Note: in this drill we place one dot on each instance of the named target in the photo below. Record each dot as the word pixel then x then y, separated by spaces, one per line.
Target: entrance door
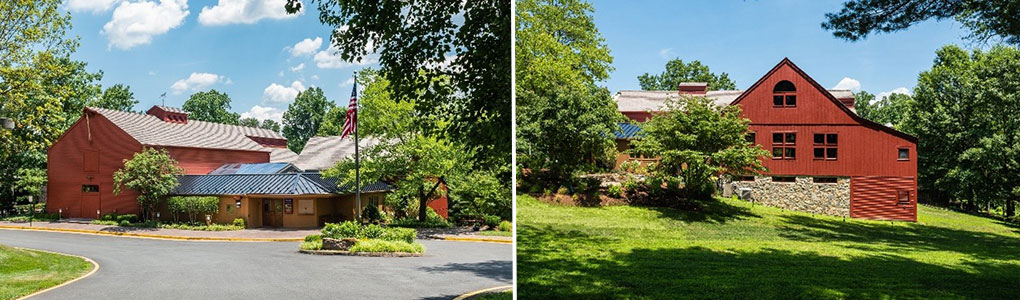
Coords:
pixel 89 201
pixel 272 212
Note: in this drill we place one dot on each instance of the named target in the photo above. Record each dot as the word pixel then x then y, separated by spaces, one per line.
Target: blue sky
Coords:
pixel 249 49
pixel 747 38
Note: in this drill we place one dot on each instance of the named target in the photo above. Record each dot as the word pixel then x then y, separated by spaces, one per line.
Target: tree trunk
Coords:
pixel 422 204
pixel 1010 208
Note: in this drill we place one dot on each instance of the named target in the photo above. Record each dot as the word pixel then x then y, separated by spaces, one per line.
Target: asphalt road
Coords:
pixel 132 268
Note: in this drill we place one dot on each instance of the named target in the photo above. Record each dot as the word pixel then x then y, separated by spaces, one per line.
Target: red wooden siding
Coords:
pixel 876 197
pixel 68 170
pixel 861 151
pixel 196 161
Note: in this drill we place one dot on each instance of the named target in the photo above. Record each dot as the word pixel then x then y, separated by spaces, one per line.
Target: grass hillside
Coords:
pixel 23 272
pixel 731 250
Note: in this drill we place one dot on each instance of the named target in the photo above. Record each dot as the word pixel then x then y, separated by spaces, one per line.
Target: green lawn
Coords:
pixel 507 295
pixel 730 250
pixel 494 233
pixel 23 272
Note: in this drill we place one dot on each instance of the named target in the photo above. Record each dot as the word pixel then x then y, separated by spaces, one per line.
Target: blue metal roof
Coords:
pixel 266 184
pixel 259 168
pixel 628 130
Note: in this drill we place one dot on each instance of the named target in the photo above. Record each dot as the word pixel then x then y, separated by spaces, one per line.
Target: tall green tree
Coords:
pixel 211 106
pixel 33 26
pixel 696 140
pixel 152 173
pixel 963 113
pixel 565 121
pixel 677 71
pixel 248 122
pixel 986 19
pixel 117 97
pixel 863 104
pixel 270 125
pixel 418 41
pixel 303 118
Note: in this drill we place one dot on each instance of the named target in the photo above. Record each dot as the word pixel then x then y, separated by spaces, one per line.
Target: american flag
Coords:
pixel 351 121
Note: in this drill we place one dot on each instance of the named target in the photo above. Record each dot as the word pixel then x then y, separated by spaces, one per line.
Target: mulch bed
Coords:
pixel 560 199
pixel 371 254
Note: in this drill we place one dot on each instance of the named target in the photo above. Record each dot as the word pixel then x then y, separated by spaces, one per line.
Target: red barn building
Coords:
pixel 81 163
pixel 824 157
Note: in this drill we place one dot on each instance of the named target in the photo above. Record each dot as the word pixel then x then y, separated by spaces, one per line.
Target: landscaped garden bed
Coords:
pixel 131 220
pixel 350 238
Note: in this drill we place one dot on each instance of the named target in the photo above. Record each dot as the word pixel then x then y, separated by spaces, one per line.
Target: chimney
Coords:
pixel 693 88
pixel 848 102
pixel 169 114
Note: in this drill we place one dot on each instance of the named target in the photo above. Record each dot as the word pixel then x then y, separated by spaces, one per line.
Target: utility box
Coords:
pixel 744 193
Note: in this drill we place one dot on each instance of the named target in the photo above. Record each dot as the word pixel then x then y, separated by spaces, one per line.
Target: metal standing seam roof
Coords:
pixel 258 168
pixel 266 184
pixel 627 130
pixel 150 130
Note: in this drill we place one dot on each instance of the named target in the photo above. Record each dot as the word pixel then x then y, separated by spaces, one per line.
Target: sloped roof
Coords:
pixel 281 155
pixel 173 109
pixel 627 130
pixel 150 130
pixel 629 100
pixel 267 184
pixel 323 152
pixel 259 168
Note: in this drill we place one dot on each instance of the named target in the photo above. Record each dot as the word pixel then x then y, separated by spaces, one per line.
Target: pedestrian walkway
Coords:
pixel 252 234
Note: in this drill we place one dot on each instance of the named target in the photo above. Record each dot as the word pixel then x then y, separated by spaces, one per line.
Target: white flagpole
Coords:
pixel 357 156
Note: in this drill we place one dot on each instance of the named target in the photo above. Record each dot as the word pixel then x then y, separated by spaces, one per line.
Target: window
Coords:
pixel 784 145
pixel 90 188
pixel 784 179
pixel 825 146
pixel 784 94
pixel 903 197
pixel 746 178
pixel 904 154
pixel 750 137
pixel 825 179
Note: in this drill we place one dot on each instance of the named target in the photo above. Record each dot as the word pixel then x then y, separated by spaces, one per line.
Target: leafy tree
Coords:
pixel 862 104
pixel 248 122
pixel 152 173
pixel 270 125
pixel 696 140
pixel 333 121
pixel 964 116
pixel 117 97
pixel 211 106
pixel 31 181
pixel 565 122
pixel 479 194
pixel 677 71
pixel 986 19
pixel 33 26
pixel 466 42
pixel 304 117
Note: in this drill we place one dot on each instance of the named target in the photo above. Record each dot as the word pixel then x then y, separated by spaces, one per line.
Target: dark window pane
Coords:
pixel 791 100
pixel 825 179
pixel 819 153
pixel 784 86
pixel 750 137
pixel 904 154
pixel 830 153
pixel 777 100
pixel 777 138
pixel 819 138
pixel 830 138
pixel 777 152
pixel 791 153
pixel 90 188
pixel 791 138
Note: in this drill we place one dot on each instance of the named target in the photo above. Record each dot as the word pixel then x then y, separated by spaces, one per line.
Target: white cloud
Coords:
pixel 275 93
pixel 328 59
pixel 899 90
pixel 197 81
pixel 848 83
pixel 347 82
pixel 306 47
pixel 667 53
pixel 243 12
pixel 263 112
pixel 92 6
pixel 152 73
pixel 297 68
pixel 135 23
pixel 315 77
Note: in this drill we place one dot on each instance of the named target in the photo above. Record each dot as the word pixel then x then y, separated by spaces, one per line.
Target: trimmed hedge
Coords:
pixel 387 246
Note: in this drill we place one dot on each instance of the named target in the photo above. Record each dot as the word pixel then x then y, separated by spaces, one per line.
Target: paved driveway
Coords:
pixel 131 268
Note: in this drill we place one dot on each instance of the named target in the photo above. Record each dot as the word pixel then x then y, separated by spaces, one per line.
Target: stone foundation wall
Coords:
pixel 802 195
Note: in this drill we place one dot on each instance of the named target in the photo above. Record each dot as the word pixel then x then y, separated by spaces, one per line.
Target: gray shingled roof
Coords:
pixel 629 100
pixel 266 184
pixel 173 109
pixel 150 130
pixel 323 152
pixel 282 155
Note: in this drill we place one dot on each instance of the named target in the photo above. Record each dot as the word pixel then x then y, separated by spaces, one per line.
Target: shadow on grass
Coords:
pixel 493 269
pixel 907 236
pixel 706 211
pixel 546 270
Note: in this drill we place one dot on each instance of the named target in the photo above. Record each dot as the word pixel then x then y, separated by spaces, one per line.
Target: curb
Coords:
pixel 95 267
pixel 471 239
pixel 482 291
pixel 367 254
pixel 152 236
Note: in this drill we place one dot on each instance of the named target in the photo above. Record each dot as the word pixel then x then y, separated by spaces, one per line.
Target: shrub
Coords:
pixel 313 237
pixel 414 223
pixel 193 206
pixel 124 223
pixel 387 246
pixel 492 221
pixel 105 222
pixel 239 222
pixel 108 217
pixel 562 190
pixel 344 230
pixel 131 218
pixel 199 227
pixel 371 213
pixel 630 185
pixel 399 234
pixel 371 231
pixel 311 245
pixel 615 191
pixel 506 226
